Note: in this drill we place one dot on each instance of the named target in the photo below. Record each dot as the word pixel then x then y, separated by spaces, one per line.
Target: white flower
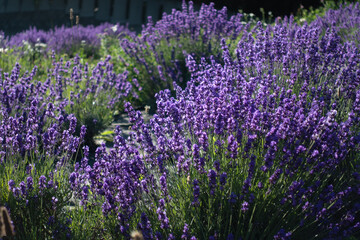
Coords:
pixel 114 28
pixel 40 45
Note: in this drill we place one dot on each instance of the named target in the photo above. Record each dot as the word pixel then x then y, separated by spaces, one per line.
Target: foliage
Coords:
pixel 158 54
pixel 35 153
pixel 92 95
pixel 262 146
pixel 345 19
pixel 256 133
pixel 67 40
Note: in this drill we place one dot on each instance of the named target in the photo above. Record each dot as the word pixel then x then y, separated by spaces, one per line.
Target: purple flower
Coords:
pixel 233 198
pixel 161 211
pixel 50 184
pixel 232 146
pixel 273 178
pixel 82 132
pixel 223 178
pixel 29 183
pixel 185 234
pixel 282 235
pixel 145 227
pixel 196 192
pixel 29 168
pixel 244 206
pixel 84 194
pixel 54 202
pixel 73 179
pixel 212 181
pixel 42 182
pixel 11 184
pixel 163 184
pixel 23 188
pixel 217 166
pixel 230 237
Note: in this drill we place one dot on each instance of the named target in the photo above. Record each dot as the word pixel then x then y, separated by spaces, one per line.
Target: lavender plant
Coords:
pixel 159 52
pixel 264 146
pixel 262 142
pixel 345 20
pixel 35 155
pixel 92 95
pixel 92 91
pixel 69 40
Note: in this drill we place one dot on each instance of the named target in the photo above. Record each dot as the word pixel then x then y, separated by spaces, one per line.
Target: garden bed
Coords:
pixel 253 130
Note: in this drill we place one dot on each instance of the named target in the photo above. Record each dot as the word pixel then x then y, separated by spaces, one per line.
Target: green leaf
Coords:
pixel 108 132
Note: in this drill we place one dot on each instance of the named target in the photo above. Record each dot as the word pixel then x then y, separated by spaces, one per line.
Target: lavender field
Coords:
pixel 254 130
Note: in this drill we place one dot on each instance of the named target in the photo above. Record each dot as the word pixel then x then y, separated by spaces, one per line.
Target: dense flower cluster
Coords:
pixel 160 51
pixel 66 39
pixel 41 132
pixel 261 142
pixel 37 143
pixel 263 136
pixel 346 21
pixel 92 95
pixel 30 118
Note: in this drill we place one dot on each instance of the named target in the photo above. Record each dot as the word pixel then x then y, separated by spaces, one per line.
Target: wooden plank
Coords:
pixel 28 6
pixel 13 6
pixel 57 5
pixel 135 12
pixel 119 12
pixel 103 12
pixel 2 6
pixel 44 5
pixel 87 9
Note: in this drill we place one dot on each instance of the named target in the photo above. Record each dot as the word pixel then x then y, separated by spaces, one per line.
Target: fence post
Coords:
pixel 44 5
pixel 87 9
pixel 2 6
pixel 135 14
pixel 57 5
pixel 13 6
pixel 27 6
pixel 119 14
pixel 104 10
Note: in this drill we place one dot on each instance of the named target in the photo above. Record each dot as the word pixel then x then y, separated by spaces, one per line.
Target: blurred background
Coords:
pixel 19 15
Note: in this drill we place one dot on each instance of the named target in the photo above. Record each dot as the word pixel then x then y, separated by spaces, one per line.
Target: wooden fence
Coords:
pixel 134 12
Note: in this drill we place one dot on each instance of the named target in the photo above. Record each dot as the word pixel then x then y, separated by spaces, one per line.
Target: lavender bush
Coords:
pixel 92 95
pixel 264 146
pixel 35 152
pixel 67 40
pixel 159 52
pixel 261 139
pixel 345 20
pixel 34 47
pixel 39 122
